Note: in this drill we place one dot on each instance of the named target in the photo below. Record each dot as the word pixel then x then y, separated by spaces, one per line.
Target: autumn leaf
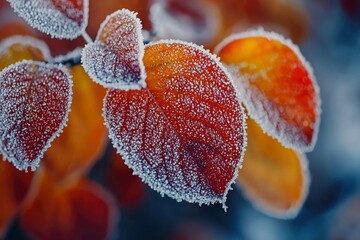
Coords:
pixel 183 134
pixel 115 58
pixel 60 19
pixel 14 187
pixel 84 138
pixel 18 48
pixel 276 85
pixel 274 178
pixel 76 211
pixel 35 101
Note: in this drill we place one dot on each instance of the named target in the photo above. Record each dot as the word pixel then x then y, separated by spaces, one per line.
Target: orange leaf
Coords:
pixel 183 134
pixel 35 101
pixel 84 138
pixel 274 178
pixel 126 187
pixel 14 187
pixel 276 85
pixel 81 210
pixel 18 48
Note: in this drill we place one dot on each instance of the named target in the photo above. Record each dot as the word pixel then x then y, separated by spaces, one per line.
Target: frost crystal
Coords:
pixel 184 134
pixel 61 19
pixel 115 58
pixel 35 101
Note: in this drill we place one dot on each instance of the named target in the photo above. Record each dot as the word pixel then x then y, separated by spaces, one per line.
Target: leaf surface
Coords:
pixel 183 134
pixel 276 85
pixel 115 58
pixel 35 101
pixel 18 48
pixel 274 178
pixel 58 18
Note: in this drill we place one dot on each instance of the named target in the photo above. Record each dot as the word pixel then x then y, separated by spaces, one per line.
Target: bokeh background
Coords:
pixel 328 34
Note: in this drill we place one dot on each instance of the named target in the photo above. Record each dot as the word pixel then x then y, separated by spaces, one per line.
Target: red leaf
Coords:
pixel 276 85
pixel 35 100
pixel 59 18
pixel 115 59
pixel 184 134
pixel 81 210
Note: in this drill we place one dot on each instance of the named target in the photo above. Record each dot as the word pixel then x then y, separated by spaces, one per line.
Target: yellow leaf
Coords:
pixel 274 178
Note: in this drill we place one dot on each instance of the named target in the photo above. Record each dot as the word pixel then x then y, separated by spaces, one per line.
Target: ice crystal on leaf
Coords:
pixel 115 58
pixel 276 84
pixel 35 101
pixel 184 134
pixel 59 18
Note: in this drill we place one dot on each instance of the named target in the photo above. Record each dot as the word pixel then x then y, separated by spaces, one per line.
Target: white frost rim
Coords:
pixel 157 187
pixel 35 163
pixel 141 51
pixel 51 16
pixel 260 32
pixel 26 40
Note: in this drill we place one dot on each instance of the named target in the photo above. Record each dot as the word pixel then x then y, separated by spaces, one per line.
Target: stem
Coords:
pixel 86 37
pixel 71 59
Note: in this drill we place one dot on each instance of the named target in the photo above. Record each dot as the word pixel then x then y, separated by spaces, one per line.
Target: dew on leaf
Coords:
pixel 18 48
pixel 115 58
pixel 184 134
pixel 58 18
pixel 35 99
pixel 276 84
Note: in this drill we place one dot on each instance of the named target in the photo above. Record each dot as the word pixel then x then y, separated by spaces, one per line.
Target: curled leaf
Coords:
pixel 274 178
pixel 18 48
pixel 59 18
pixel 35 101
pixel 276 85
pixel 115 58
pixel 183 134
pixel 81 210
pixel 84 137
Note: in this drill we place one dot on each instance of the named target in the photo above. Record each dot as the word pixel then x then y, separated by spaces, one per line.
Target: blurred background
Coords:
pixel 328 34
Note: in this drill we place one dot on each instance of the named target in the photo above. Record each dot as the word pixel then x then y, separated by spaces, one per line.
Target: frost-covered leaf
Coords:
pixel 85 135
pixel 115 58
pixel 274 178
pixel 276 85
pixel 14 188
pixel 183 134
pixel 81 210
pixel 35 100
pixel 18 48
pixel 58 18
